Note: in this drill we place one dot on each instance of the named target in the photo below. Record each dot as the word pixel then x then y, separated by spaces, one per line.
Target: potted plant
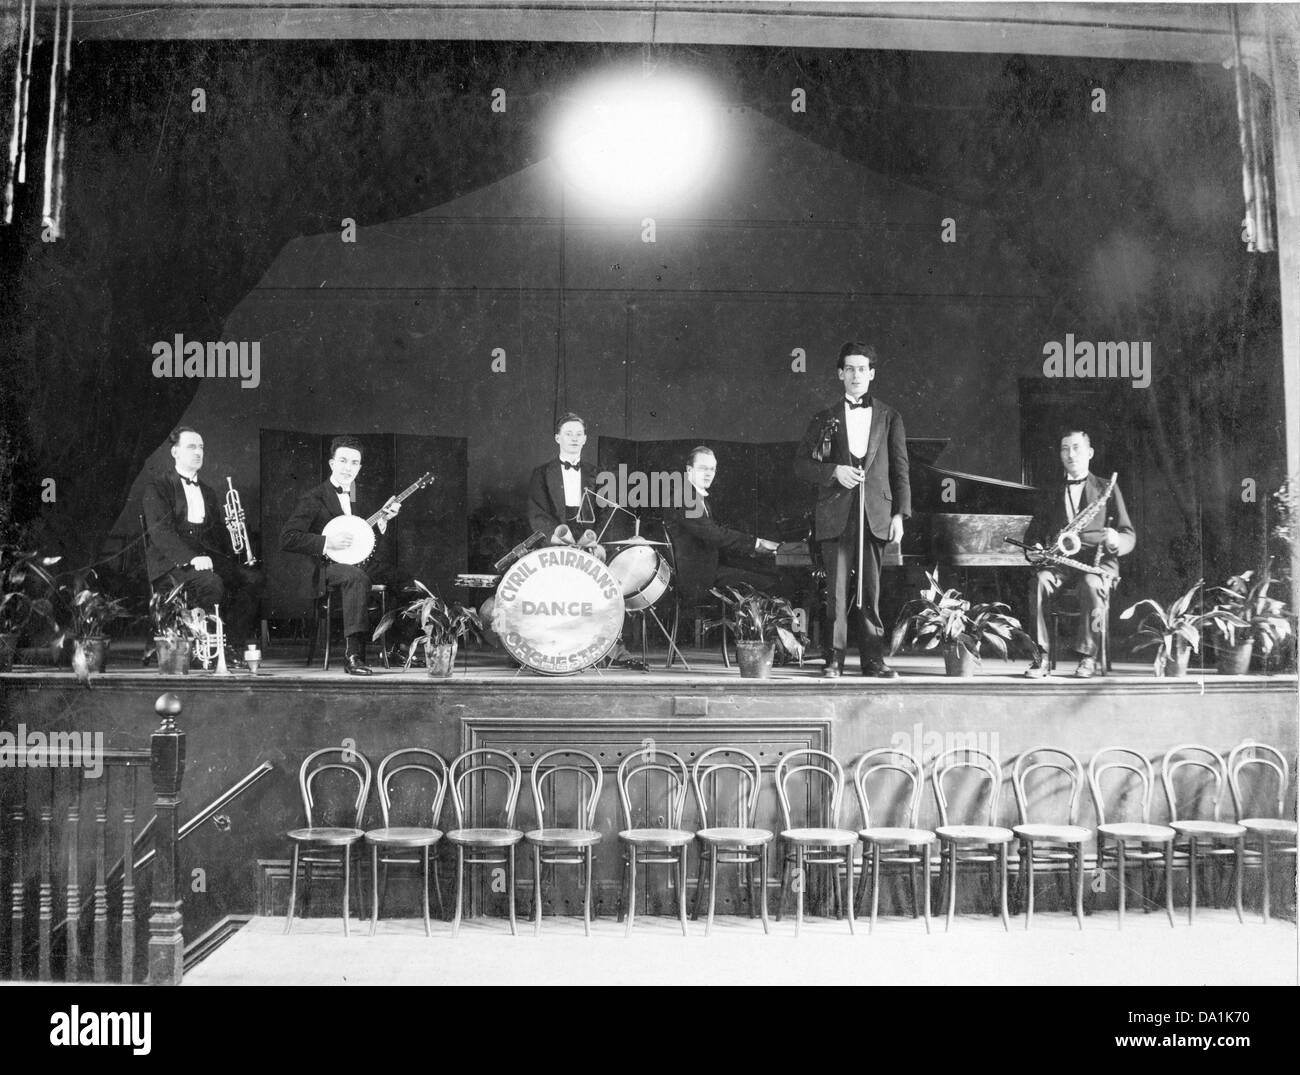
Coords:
pixel 25 591
pixel 1174 631
pixel 944 619
pixel 759 623
pixel 1244 616
pixel 174 630
pixel 90 611
pixel 442 627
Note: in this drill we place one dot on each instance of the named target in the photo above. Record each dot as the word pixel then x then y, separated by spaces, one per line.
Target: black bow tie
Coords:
pixel 570 466
pixel 1076 481
pixel 341 492
pixel 187 481
pixel 865 401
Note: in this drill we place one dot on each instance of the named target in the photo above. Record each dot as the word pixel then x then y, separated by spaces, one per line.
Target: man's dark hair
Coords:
pixel 174 437
pixel 345 442
pixel 853 347
pixel 699 449
pixel 569 416
pixel 1070 431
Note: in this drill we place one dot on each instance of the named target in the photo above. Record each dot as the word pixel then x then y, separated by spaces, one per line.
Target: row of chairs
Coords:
pixel 727 782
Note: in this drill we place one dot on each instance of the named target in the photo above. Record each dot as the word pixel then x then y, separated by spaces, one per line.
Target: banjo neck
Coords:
pixel 417 484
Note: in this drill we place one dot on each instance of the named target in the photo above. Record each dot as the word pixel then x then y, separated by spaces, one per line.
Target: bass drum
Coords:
pixel 643 574
pixel 558 611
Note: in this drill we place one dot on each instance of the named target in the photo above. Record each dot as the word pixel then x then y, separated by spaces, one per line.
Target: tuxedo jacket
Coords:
pixel 1051 517
pixel 302 531
pixel 887 489
pixel 697 543
pixel 546 507
pixel 173 542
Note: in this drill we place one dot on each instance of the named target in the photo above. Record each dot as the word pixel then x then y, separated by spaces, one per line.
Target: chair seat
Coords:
pixel 408 836
pixel 821 837
pixel 888 837
pixel 724 837
pixel 485 837
pixel 1215 830
pixel 974 834
pixel 1060 834
pixel 657 837
pixel 322 834
pixel 563 837
pixel 1137 830
pixel 1269 826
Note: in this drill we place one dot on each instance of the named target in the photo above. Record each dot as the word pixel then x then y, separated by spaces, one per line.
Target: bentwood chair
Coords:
pixel 818 842
pixel 884 846
pixel 1134 840
pixel 1209 764
pixel 559 845
pixel 328 837
pixel 1047 843
pixel 983 844
pixel 724 775
pixel 659 779
pixel 468 777
pixel 1275 834
pixel 413 781
pixel 322 619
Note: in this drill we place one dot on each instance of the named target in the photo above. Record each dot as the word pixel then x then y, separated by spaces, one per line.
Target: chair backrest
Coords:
pixel 890 760
pixel 330 763
pixel 585 775
pixel 824 785
pixel 1269 760
pixel 722 765
pixel 1124 760
pixel 1048 760
pixel 423 777
pixel 643 764
pixel 967 760
pixel 1193 756
pixel 483 763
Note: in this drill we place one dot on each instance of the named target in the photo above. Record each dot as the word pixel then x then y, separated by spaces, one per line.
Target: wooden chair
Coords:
pixel 1049 844
pixel 981 844
pixel 650 845
pixel 319 839
pixel 819 842
pixel 1065 607
pixel 322 618
pixel 565 846
pixel 740 843
pixel 424 779
pixel 488 845
pixel 1126 834
pixel 884 846
pixel 1193 756
pixel 1276 835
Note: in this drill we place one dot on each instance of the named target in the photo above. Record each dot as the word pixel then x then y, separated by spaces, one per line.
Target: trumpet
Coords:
pixel 237 526
pixel 210 641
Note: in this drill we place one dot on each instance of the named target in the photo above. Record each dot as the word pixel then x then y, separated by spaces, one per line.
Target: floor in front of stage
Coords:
pixel 1217 950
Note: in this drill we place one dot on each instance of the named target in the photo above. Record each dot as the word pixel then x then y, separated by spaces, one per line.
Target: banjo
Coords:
pixel 362 530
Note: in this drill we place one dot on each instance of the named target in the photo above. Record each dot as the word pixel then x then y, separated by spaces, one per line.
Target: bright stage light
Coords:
pixel 635 142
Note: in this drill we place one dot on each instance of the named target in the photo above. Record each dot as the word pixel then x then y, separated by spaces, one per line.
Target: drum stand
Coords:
pixel 672 642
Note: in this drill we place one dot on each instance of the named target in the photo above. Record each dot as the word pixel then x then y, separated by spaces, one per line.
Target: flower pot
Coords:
pixel 755 659
pixel 173 655
pixel 94 651
pixel 959 661
pixel 1235 660
pixel 1177 666
pixel 8 650
pixel 440 660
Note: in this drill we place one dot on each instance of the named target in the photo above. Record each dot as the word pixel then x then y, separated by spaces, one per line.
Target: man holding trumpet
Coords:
pixel 855 453
pixel 186 545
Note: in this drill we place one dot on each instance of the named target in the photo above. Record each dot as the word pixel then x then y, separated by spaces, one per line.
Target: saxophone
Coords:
pixel 1067 543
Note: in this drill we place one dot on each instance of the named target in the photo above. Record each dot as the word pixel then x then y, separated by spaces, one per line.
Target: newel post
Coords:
pixel 167 764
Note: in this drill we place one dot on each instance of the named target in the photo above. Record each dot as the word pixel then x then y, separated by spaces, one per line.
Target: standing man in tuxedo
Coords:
pixel 555 489
pixel 1106 537
pixel 189 545
pixel 699 539
pixel 855 453
pixel 302 533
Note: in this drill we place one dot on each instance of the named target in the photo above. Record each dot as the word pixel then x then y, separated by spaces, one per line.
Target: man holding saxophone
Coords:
pixel 187 545
pixel 1077 535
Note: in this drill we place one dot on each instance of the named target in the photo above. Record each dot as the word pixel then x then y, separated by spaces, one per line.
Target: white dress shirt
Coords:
pixel 345 501
pixel 195 511
pixel 857 423
pixel 572 483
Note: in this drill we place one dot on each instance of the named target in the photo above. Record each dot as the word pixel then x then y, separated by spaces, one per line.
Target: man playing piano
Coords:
pixel 1104 538
pixel 855 453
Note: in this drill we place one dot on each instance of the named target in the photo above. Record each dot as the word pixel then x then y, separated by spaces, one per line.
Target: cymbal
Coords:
pixel 635 541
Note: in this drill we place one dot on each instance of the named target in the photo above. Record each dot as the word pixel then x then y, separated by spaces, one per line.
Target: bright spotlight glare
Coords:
pixel 633 141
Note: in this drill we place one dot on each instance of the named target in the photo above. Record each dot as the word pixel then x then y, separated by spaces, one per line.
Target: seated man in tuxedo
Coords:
pixel 699 539
pixel 1106 537
pixel 302 533
pixel 555 489
pixel 189 545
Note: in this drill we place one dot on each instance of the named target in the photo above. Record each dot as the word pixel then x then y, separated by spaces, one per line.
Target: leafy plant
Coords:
pixel 1244 606
pixel 89 611
pixel 945 618
pixel 170 616
pixel 440 624
pixel 1170 629
pixel 27 589
pixel 754 616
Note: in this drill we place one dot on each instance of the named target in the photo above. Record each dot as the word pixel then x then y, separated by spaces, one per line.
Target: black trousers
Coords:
pixel 840 558
pixel 354 595
pixel 236 587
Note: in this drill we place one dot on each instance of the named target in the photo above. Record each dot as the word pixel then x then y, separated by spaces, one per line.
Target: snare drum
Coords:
pixel 558 610
pixel 643 575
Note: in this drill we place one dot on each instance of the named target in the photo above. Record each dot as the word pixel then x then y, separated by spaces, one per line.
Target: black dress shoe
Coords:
pixel 831 671
pixel 354 665
pixel 879 670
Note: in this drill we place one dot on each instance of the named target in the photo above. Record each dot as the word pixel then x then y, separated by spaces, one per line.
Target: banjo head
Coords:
pixel 363 539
